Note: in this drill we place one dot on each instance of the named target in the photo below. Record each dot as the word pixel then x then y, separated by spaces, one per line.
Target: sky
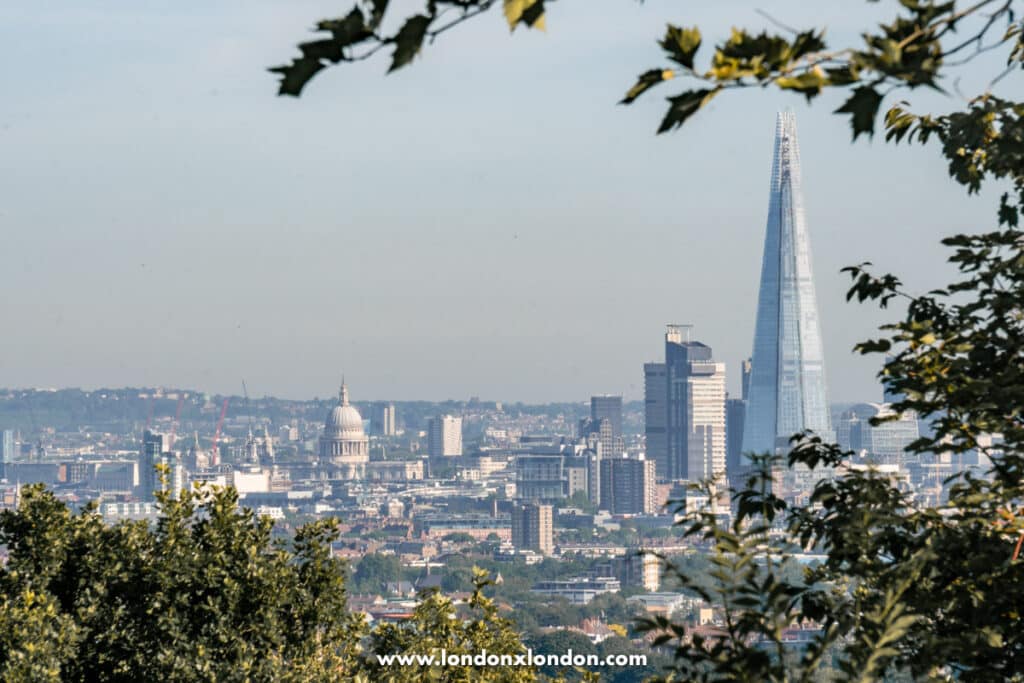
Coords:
pixel 484 223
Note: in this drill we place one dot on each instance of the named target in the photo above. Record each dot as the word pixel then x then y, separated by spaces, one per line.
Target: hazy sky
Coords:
pixel 486 222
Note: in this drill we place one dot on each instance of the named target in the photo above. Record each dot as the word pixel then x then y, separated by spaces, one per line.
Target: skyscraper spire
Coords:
pixel 787 391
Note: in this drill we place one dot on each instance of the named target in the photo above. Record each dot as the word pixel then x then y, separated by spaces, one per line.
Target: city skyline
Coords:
pixel 245 235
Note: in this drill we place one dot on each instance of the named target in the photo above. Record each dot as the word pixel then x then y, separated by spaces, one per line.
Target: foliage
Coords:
pixel 580 499
pixel 560 642
pixel 35 636
pixel 911 50
pixel 459 537
pixel 374 571
pixel 359 34
pixel 434 627
pixel 205 595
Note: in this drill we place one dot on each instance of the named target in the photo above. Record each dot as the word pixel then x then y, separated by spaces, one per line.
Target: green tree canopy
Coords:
pixel 203 595
pixel 434 627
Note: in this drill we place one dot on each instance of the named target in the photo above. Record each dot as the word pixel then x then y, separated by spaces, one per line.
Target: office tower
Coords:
pixel 156 450
pixel 735 412
pixel 6 451
pixel 656 417
pixel 787 383
pixel 884 443
pixel 532 528
pixel 607 407
pixel 540 476
pixel 444 436
pixel 695 425
pixel 628 486
pixel 382 419
pixel 745 379
pixel 594 454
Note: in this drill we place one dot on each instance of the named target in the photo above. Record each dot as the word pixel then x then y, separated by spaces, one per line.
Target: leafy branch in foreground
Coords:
pixel 359 35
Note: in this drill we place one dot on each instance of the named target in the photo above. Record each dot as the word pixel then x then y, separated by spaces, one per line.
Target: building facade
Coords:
pixel 628 486
pixel 695 425
pixel 532 528
pixel 787 387
pixel 735 414
pixel 156 450
pixel 656 417
pixel 884 443
pixel 382 419
pixel 6 451
pixel 608 407
pixel 444 436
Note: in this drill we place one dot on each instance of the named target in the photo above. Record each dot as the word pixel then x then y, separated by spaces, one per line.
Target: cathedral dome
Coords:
pixel 344 420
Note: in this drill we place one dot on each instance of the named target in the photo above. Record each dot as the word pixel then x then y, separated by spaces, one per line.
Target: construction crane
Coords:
pixel 216 434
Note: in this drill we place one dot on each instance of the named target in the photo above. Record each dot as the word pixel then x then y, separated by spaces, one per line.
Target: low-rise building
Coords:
pixel 579 590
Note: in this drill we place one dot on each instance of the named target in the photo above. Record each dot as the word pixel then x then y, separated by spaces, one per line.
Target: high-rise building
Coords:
pixel 382 419
pixel 628 486
pixel 695 425
pixel 540 476
pixel 444 436
pixel 532 527
pixel 599 437
pixel 156 450
pixel 656 417
pixel 6 451
pixel 607 407
pixel 884 443
pixel 787 383
pixel 735 412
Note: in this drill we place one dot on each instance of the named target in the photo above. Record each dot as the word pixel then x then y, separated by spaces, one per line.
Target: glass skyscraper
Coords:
pixel 787 390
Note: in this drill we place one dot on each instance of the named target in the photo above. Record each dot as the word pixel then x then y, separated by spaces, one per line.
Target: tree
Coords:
pixel 459 537
pixel 434 628
pixel 203 595
pixel 580 499
pixel 929 592
pixel 619 645
pixel 375 570
pixel 560 642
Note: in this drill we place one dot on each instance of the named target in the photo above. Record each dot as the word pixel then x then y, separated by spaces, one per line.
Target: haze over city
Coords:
pixel 168 221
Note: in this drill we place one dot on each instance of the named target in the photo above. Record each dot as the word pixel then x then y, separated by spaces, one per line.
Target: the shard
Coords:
pixel 787 384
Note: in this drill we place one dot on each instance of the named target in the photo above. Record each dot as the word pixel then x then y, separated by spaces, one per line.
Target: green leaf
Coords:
pixel 295 75
pixel 409 40
pixel 344 32
pixel 645 82
pixel 681 44
pixel 684 106
pixel 862 106
pixel 347 31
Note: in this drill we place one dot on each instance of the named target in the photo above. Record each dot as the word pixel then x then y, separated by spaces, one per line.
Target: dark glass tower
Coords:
pixel 787 390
